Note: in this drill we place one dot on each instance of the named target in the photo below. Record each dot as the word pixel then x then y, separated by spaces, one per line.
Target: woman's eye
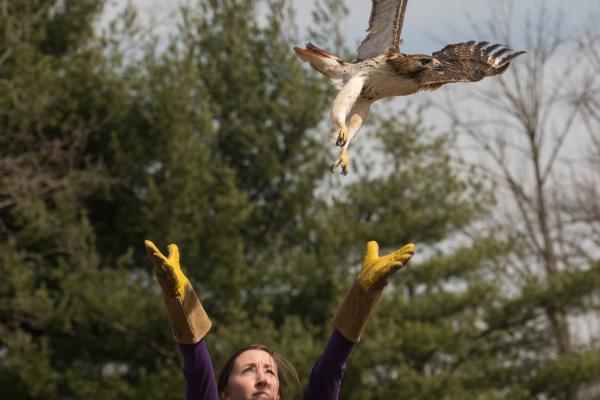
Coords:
pixel 247 369
pixel 270 371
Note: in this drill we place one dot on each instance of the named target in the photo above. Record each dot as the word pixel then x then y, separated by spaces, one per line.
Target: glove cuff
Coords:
pixel 189 321
pixel 353 314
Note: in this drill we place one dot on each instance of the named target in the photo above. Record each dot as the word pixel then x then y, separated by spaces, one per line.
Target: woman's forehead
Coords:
pixel 255 356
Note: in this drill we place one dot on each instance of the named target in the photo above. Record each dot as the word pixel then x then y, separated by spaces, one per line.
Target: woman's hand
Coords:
pixel 352 315
pixel 375 269
pixel 167 269
pixel 189 322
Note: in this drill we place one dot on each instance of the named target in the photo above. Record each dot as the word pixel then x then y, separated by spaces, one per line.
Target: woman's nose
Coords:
pixel 261 378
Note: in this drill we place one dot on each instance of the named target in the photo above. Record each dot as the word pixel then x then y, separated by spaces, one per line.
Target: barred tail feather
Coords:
pixel 319 59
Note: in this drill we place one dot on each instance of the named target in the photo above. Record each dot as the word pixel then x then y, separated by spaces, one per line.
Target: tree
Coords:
pixel 530 119
pixel 583 205
pixel 109 151
pixel 69 318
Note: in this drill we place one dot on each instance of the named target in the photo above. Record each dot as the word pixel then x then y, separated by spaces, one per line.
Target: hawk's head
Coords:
pixel 411 66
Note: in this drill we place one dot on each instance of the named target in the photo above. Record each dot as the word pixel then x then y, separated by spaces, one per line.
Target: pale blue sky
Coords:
pixel 429 24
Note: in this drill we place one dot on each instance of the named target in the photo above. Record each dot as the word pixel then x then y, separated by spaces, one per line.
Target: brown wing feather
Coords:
pixel 468 62
pixel 385 27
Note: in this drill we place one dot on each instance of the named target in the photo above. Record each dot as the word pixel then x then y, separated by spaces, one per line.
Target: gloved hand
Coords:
pixel 375 269
pixel 168 271
pixel 353 314
pixel 189 322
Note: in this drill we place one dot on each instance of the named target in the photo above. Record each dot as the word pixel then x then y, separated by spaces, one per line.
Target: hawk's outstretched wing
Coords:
pixel 468 62
pixel 384 29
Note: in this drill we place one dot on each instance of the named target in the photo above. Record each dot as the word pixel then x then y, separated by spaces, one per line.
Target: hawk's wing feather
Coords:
pixel 385 26
pixel 468 62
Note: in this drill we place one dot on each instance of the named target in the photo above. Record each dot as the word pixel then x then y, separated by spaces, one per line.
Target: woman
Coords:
pixel 256 372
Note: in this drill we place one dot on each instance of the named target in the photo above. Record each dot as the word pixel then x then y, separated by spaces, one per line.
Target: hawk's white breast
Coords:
pixel 380 81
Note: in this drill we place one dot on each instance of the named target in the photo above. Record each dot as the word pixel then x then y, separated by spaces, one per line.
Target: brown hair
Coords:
pixel 289 383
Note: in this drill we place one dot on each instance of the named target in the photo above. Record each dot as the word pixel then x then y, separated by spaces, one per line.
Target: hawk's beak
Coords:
pixel 436 64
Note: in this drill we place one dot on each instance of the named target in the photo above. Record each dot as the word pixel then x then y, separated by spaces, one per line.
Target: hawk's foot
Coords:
pixel 342 136
pixel 344 162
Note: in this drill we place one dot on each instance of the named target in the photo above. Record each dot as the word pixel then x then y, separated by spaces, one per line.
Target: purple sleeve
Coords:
pixel 326 376
pixel 200 382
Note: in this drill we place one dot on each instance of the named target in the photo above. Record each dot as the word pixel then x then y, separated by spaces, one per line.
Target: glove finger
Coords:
pixel 397 258
pixel 151 248
pixel 406 249
pixel 159 260
pixel 401 254
pixel 391 268
pixel 402 258
pixel 156 257
pixel 388 269
pixel 404 254
pixel 173 253
pixel 372 250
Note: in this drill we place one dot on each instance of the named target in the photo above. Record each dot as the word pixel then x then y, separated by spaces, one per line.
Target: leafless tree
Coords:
pixel 584 204
pixel 527 130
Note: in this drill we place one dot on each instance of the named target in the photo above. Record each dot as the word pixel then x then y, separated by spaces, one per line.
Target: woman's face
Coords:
pixel 253 377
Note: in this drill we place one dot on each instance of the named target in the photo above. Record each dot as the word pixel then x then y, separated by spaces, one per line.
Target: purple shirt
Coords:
pixel 325 378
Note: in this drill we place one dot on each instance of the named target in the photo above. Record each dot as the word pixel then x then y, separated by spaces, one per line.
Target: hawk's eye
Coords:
pixel 425 61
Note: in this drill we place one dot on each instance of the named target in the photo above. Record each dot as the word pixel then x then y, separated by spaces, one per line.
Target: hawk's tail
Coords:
pixel 319 59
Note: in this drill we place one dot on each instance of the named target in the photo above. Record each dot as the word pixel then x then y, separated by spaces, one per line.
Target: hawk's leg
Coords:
pixel 343 161
pixel 354 122
pixel 342 106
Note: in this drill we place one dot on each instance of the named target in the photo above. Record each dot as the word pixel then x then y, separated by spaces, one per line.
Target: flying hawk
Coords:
pixel 381 70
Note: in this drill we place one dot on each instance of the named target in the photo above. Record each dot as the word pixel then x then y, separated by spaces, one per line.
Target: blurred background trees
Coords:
pixel 214 138
pixel 535 128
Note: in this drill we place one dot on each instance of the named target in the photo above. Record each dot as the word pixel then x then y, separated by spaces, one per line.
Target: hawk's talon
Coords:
pixel 344 162
pixel 342 136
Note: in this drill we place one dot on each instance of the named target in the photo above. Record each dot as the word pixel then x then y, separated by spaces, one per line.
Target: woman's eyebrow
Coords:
pixel 272 367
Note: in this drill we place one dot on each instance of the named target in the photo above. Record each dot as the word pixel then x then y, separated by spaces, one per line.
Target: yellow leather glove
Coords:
pixel 353 314
pixel 189 321
pixel 167 269
pixel 375 269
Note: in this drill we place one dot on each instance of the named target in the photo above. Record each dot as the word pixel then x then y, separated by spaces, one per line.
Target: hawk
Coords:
pixel 381 70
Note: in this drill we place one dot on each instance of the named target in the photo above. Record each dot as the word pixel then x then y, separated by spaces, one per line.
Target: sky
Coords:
pixel 428 25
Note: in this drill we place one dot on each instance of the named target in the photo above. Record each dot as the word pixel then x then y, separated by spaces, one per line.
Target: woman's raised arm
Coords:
pixel 189 323
pixel 351 318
